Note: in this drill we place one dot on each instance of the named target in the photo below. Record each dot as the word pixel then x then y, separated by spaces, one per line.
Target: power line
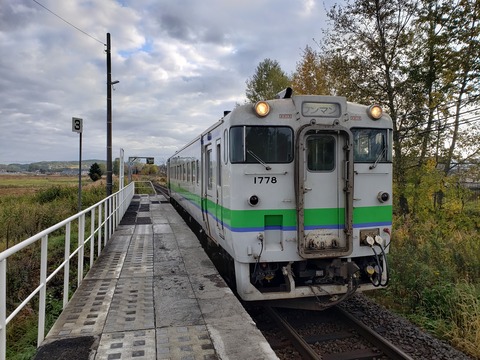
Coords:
pixel 69 23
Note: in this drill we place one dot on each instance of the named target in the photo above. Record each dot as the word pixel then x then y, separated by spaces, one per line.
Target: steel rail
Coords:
pixel 388 349
pixel 300 344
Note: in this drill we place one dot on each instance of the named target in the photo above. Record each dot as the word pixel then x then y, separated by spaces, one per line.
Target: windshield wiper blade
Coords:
pixel 379 157
pixel 260 161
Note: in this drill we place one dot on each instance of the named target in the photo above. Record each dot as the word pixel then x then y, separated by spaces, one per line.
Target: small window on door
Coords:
pixel 219 167
pixel 209 169
pixel 198 170
pixel 320 152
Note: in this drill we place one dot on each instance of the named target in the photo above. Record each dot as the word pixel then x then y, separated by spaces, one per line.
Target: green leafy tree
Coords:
pixel 269 79
pixel 95 172
pixel 367 49
pixel 149 169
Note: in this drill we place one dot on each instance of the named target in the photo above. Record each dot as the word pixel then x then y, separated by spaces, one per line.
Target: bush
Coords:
pixel 95 172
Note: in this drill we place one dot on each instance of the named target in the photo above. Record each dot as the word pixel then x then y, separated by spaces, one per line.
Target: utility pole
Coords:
pixel 109 118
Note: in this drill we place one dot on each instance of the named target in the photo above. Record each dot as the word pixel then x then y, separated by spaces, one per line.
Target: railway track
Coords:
pixel 331 334
pixel 163 190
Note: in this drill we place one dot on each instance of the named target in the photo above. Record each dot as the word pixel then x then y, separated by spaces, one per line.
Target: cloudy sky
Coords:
pixel 180 64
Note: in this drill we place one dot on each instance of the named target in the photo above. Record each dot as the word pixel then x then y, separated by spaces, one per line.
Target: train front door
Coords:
pixel 324 191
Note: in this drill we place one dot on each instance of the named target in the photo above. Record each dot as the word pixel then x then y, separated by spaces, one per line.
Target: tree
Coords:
pixel 269 79
pixel 367 49
pixel 421 59
pixel 311 75
pixel 460 76
pixel 95 172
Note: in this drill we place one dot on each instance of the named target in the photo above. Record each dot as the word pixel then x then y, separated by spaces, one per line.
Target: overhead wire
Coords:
pixel 69 23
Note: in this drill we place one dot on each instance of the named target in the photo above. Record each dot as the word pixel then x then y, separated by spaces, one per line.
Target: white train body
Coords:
pixel 300 198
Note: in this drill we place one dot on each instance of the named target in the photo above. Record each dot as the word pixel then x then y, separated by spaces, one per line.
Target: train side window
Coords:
pixel 219 163
pixel 225 146
pixel 370 145
pixel 209 169
pixel 198 172
pixel 321 152
pixel 193 172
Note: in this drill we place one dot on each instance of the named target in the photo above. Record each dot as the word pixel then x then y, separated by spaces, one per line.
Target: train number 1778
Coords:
pixel 264 179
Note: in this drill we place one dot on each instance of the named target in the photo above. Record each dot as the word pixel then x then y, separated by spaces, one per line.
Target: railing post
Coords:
pixel 66 269
pixel 105 220
pixel 92 235
pixel 3 309
pixel 117 210
pixel 99 228
pixel 114 213
pixel 43 290
pixel 81 249
pixel 110 218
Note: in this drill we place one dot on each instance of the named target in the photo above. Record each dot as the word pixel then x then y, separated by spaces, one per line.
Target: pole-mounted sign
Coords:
pixel 77 125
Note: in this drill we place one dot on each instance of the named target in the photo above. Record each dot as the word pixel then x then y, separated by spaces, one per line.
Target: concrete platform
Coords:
pixel 154 294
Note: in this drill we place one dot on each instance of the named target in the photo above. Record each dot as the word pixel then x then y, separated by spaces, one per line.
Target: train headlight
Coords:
pixel 383 196
pixel 262 108
pixel 253 200
pixel 375 112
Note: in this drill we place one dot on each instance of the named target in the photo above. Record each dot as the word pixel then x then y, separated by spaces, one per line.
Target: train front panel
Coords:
pixel 296 222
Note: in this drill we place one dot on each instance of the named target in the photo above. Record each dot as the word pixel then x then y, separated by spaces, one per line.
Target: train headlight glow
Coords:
pixel 375 112
pixel 262 108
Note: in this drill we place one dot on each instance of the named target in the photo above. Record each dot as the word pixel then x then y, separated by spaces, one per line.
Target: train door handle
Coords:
pixel 305 190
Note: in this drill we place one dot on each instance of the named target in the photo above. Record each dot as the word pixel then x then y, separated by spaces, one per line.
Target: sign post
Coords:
pixel 77 126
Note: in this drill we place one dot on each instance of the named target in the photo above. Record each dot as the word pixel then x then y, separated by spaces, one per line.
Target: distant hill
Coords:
pixel 50 166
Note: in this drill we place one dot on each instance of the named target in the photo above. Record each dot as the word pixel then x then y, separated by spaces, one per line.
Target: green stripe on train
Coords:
pixel 255 218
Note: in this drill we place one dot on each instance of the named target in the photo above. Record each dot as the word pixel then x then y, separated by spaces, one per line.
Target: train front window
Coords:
pixel 267 144
pixel 321 152
pixel 370 145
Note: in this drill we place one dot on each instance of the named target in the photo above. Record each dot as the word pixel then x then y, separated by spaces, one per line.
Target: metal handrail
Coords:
pixel 111 208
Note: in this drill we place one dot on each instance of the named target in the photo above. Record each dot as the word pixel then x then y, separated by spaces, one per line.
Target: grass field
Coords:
pixel 20 184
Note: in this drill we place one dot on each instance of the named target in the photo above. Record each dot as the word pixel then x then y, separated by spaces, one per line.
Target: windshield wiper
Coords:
pixel 379 157
pixel 260 161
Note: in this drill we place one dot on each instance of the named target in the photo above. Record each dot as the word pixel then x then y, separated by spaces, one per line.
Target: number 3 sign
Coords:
pixel 77 125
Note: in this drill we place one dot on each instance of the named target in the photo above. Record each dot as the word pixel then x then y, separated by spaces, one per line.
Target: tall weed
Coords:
pixel 24 216
pixel 464 307
pixel 435 260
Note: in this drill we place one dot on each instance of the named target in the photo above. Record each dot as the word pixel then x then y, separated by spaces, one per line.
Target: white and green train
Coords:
pixel 297 191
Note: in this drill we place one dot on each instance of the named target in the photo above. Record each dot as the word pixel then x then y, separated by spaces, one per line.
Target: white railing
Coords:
pixel 105 215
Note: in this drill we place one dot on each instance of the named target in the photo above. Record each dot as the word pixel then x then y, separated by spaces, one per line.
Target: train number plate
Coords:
pixel 264 179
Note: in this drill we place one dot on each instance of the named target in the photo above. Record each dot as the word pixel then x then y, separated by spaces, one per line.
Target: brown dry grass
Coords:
pixel 22 184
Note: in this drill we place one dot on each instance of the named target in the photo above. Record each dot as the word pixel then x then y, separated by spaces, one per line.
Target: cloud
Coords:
pixel 180 64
